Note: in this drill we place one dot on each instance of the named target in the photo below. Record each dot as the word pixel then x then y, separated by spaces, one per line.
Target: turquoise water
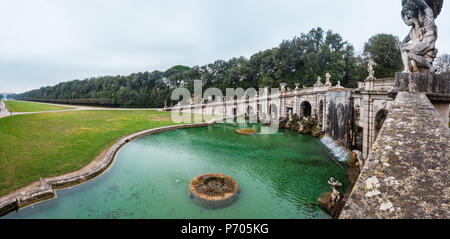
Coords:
pixel 280 176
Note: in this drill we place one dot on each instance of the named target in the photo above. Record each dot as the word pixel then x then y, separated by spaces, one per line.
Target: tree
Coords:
pixel 300 60
pixel 443 63
pixel 384 49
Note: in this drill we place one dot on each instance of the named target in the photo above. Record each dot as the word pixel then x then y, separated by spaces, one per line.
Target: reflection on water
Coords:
pixel 280 176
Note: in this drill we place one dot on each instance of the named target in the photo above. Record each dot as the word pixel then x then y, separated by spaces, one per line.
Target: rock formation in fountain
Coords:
pixel 309 125
pixel 328 201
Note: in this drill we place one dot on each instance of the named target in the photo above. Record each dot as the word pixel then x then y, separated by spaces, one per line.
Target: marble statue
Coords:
pixel 335 195
pixel 319 82
pixel 328 80
pixel 338 85
pixel 328 77
pixel 370 66
pixel 283 87
pixel 418 48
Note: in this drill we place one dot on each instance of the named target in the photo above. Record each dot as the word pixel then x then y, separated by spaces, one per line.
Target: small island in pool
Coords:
pixel 246 131
pixel 213 190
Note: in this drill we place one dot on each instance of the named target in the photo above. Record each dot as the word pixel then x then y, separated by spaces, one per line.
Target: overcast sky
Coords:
pixel 44 42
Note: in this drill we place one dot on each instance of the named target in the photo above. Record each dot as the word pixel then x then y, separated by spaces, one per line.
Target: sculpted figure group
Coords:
pixel 418 48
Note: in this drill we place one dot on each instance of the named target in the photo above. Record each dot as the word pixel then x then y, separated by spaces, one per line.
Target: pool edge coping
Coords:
pixel 46 188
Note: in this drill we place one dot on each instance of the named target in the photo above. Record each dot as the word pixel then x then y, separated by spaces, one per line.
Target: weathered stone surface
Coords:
pixel 407 172
pixel 407 82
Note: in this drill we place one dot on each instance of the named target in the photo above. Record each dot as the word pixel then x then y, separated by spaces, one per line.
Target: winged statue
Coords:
pixel 419 46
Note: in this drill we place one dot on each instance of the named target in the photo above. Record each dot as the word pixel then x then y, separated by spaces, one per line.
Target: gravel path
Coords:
pixel 4 111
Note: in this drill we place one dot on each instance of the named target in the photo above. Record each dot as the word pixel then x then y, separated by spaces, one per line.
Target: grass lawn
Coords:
pixel 52 144
pixel 24 106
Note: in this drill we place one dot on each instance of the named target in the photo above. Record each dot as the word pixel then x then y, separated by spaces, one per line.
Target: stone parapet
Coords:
pixel 407 172
pixel 374 84
pixel 437 87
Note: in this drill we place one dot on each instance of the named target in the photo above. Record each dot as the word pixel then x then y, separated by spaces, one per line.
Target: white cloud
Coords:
pixel 43 42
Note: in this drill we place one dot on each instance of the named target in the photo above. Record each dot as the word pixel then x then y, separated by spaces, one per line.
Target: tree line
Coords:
pixel 300 60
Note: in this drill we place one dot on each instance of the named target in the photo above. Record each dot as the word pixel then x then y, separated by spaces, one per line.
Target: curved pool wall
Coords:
pixel 280 176
pixel 45 187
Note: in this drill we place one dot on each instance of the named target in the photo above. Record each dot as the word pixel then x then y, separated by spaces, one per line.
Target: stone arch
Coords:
pixel 380 117
pixel 305 109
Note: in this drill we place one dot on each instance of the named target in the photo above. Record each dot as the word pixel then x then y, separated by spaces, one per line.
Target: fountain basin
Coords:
pixel 213 190
pixel 280 176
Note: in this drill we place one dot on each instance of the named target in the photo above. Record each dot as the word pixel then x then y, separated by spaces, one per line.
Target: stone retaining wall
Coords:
pixel 45 189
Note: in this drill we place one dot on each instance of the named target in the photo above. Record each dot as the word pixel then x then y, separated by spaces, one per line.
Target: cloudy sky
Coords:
pixel 44 42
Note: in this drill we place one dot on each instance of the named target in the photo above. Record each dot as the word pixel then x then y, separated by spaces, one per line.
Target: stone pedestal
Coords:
pixel 368 83
pixel 423 83
pixel 436 88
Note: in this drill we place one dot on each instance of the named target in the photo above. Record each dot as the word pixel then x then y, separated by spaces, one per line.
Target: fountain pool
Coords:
pixel 279 176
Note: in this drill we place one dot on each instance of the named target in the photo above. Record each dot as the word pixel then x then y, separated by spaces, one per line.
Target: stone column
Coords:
pixel 282 110
pixel 325 113
pixel 367 136
pixel 295 109
pixel 264 101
